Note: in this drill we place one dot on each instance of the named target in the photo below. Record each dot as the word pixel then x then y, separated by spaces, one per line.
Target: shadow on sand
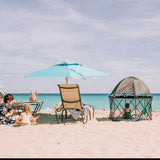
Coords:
pixel 46 118
pixel 103 119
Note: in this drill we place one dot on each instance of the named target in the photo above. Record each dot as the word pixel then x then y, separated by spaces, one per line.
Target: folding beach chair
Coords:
pixel 2 93
pixel 143 112
pixel 71 101
pixel 137 117
pixel 18 106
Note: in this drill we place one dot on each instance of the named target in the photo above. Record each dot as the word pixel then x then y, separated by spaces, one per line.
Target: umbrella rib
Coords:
pixel 77 73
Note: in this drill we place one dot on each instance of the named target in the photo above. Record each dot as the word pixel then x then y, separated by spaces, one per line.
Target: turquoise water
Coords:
pixel 99 101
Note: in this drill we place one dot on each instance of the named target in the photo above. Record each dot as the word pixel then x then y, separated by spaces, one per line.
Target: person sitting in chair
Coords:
pixel 127 112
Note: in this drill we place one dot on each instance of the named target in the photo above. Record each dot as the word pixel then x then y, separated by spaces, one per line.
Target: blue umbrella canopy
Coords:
pixel 67 69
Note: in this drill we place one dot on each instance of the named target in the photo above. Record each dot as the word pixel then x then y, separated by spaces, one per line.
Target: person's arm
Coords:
pixel 123 114
pixel 9 113
pixel 20 117
pixel 18 120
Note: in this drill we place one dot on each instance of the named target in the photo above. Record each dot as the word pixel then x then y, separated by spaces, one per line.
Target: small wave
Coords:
pixel 48 109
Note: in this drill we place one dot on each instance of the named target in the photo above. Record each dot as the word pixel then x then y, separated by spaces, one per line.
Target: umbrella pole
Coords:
pixel 66 83
pixel 66 80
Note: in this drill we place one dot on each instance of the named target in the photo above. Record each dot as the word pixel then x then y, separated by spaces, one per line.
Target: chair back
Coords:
pixel 70 96
pixel 2 94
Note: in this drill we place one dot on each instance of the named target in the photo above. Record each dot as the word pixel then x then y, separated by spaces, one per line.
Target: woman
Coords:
pixel 6 114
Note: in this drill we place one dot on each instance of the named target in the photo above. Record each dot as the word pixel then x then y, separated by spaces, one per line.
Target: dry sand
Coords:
pixel 99 138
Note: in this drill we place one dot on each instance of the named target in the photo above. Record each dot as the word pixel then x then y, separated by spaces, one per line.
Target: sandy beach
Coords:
pixel 99 138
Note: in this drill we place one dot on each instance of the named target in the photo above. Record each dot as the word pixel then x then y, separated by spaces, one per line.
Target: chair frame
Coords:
pixel 19 106
pixel 89 110
pixel 64 109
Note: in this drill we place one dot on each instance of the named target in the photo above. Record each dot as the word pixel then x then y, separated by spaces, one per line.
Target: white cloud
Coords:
pixel 136 27
pixel 33 38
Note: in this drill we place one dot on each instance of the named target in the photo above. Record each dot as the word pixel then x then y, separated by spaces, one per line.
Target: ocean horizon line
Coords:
pixel 59 93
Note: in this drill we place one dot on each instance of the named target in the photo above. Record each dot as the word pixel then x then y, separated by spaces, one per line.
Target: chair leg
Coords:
pixel 56 112
pixel 62 114
pixel 84 118
pixel 56 115
pixel 66 114
pixel 93 110
pixel 89 114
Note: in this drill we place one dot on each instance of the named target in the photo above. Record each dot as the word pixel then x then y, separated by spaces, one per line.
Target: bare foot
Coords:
pixel 37 118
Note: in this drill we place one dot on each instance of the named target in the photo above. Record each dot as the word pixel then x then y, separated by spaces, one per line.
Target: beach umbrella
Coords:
pixel 68 70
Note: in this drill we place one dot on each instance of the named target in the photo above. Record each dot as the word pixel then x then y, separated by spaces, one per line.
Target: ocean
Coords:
pixel 99 101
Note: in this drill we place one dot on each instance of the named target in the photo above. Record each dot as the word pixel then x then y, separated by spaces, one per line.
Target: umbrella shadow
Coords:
pixel 46 118
pixel 51 119
pixel 103 119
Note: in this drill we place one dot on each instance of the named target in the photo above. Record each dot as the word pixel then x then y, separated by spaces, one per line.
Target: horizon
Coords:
pixel 117 37
pixel 59 93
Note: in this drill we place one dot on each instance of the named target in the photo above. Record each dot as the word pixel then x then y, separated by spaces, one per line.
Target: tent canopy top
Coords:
pixel 131 86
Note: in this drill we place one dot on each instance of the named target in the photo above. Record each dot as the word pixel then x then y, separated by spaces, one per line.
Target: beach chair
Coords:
pixel 2 93
pixel 18 106
pixel 33 101
pixel 137 117
pixel 143 112
pixel 71 101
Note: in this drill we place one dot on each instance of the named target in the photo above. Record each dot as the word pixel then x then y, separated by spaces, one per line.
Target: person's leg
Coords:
pixel 37 118
pixel 17 119
pixel 34 120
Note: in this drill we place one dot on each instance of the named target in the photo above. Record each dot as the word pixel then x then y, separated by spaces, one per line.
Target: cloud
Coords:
pixel 122 39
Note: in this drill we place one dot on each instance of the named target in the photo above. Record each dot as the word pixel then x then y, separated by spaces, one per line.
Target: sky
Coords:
pixel 118 37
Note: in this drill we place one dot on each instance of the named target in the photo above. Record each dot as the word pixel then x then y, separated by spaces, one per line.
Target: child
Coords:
pixel 26 117
pixel 127 112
